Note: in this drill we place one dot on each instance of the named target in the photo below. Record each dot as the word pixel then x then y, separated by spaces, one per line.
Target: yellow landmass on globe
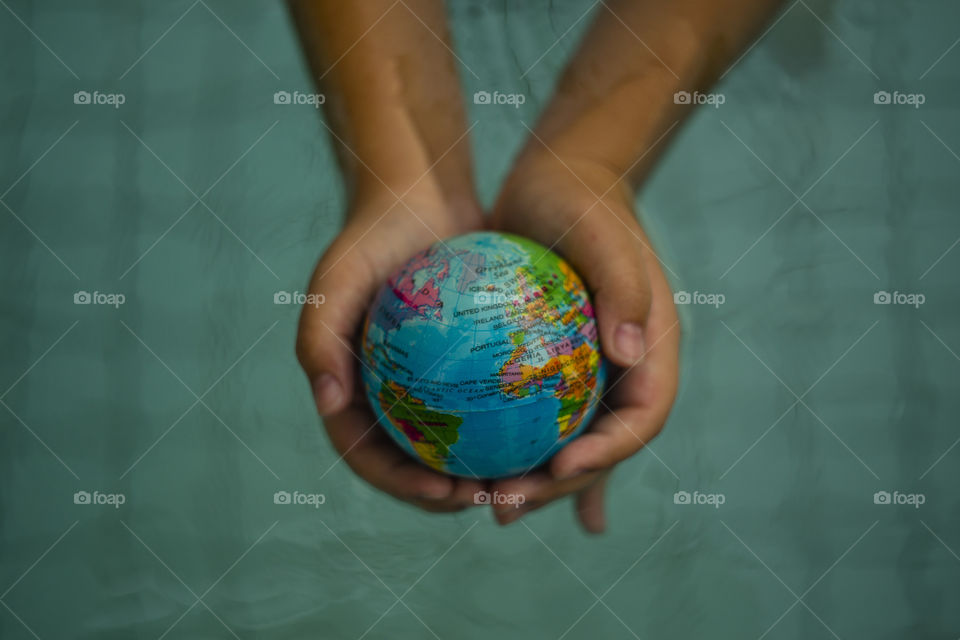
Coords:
pixel 573 391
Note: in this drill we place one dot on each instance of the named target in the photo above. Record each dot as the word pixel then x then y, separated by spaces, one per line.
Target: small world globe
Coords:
pixel 481 355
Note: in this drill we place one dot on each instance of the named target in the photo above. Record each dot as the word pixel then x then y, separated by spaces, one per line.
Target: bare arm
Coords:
pixel 616 98
pixel 573 187
pixel 393 97
pixel 396 116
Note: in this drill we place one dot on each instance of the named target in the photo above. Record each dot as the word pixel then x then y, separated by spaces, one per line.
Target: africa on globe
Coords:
pixel 481 355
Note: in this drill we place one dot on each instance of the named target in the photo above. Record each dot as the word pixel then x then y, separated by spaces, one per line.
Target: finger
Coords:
pixel 642 397
pixel 532 491
pixel 326 334
pixel 463 496
pixel 603 242
pixel 653 381
pixel 466 491
pixel 613 437
pixel 606 248
pixel 590 505
pixel 374 457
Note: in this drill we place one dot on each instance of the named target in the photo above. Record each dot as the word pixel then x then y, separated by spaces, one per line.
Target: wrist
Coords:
pixel 412 184
pixel 388 153
pixel 426 203
pixel 568 183
pixel 554 202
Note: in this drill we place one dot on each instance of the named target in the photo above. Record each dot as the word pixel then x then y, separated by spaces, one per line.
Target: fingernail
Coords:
pixel 327 392
pixel 628 341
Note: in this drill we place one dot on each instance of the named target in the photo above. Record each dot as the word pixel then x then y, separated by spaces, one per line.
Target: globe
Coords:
pixel 481 356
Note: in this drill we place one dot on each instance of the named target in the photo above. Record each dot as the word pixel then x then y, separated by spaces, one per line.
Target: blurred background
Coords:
pixel 156 198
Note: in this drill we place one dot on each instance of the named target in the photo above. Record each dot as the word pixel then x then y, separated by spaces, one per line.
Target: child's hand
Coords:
pixel 395 111
pixel 379 236
pixel 400 121
pixel 559 203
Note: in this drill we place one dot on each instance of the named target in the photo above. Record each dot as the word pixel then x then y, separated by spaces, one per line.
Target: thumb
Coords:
pixel 606 247
pixel 327 331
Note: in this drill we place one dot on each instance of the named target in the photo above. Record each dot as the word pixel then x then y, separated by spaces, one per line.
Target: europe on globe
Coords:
pixel 481 355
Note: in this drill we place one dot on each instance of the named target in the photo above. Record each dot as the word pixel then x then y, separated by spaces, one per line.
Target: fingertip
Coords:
pixel 590 506
pixel 593 523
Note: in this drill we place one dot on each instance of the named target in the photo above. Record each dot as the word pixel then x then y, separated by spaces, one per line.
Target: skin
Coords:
pixel 396 114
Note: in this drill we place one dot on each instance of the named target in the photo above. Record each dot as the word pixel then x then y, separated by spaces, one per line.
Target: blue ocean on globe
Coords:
pixel 481 355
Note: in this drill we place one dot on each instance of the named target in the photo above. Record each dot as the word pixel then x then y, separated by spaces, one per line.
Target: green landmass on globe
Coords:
pixel 481 355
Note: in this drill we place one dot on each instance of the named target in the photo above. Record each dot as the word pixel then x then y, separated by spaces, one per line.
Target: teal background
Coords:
pixel 188 400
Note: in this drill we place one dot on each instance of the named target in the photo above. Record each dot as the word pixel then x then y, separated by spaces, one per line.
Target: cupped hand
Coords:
pixel 380 234
pixel 584 211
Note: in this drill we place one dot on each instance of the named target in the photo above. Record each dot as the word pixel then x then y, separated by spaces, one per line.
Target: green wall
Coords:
pixel 800 397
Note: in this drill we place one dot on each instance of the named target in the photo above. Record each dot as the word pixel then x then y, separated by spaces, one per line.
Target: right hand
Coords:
pixel 381 233
pixel 585 211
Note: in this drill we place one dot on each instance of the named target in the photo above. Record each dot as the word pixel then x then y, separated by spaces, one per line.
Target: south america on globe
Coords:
pixel 481 355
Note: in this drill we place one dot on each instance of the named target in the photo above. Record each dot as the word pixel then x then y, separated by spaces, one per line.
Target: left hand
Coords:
pixel 558 202
pixel 381 233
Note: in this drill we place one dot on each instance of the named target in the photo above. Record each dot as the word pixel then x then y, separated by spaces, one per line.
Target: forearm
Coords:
pixel 616 98
pixel 393 99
